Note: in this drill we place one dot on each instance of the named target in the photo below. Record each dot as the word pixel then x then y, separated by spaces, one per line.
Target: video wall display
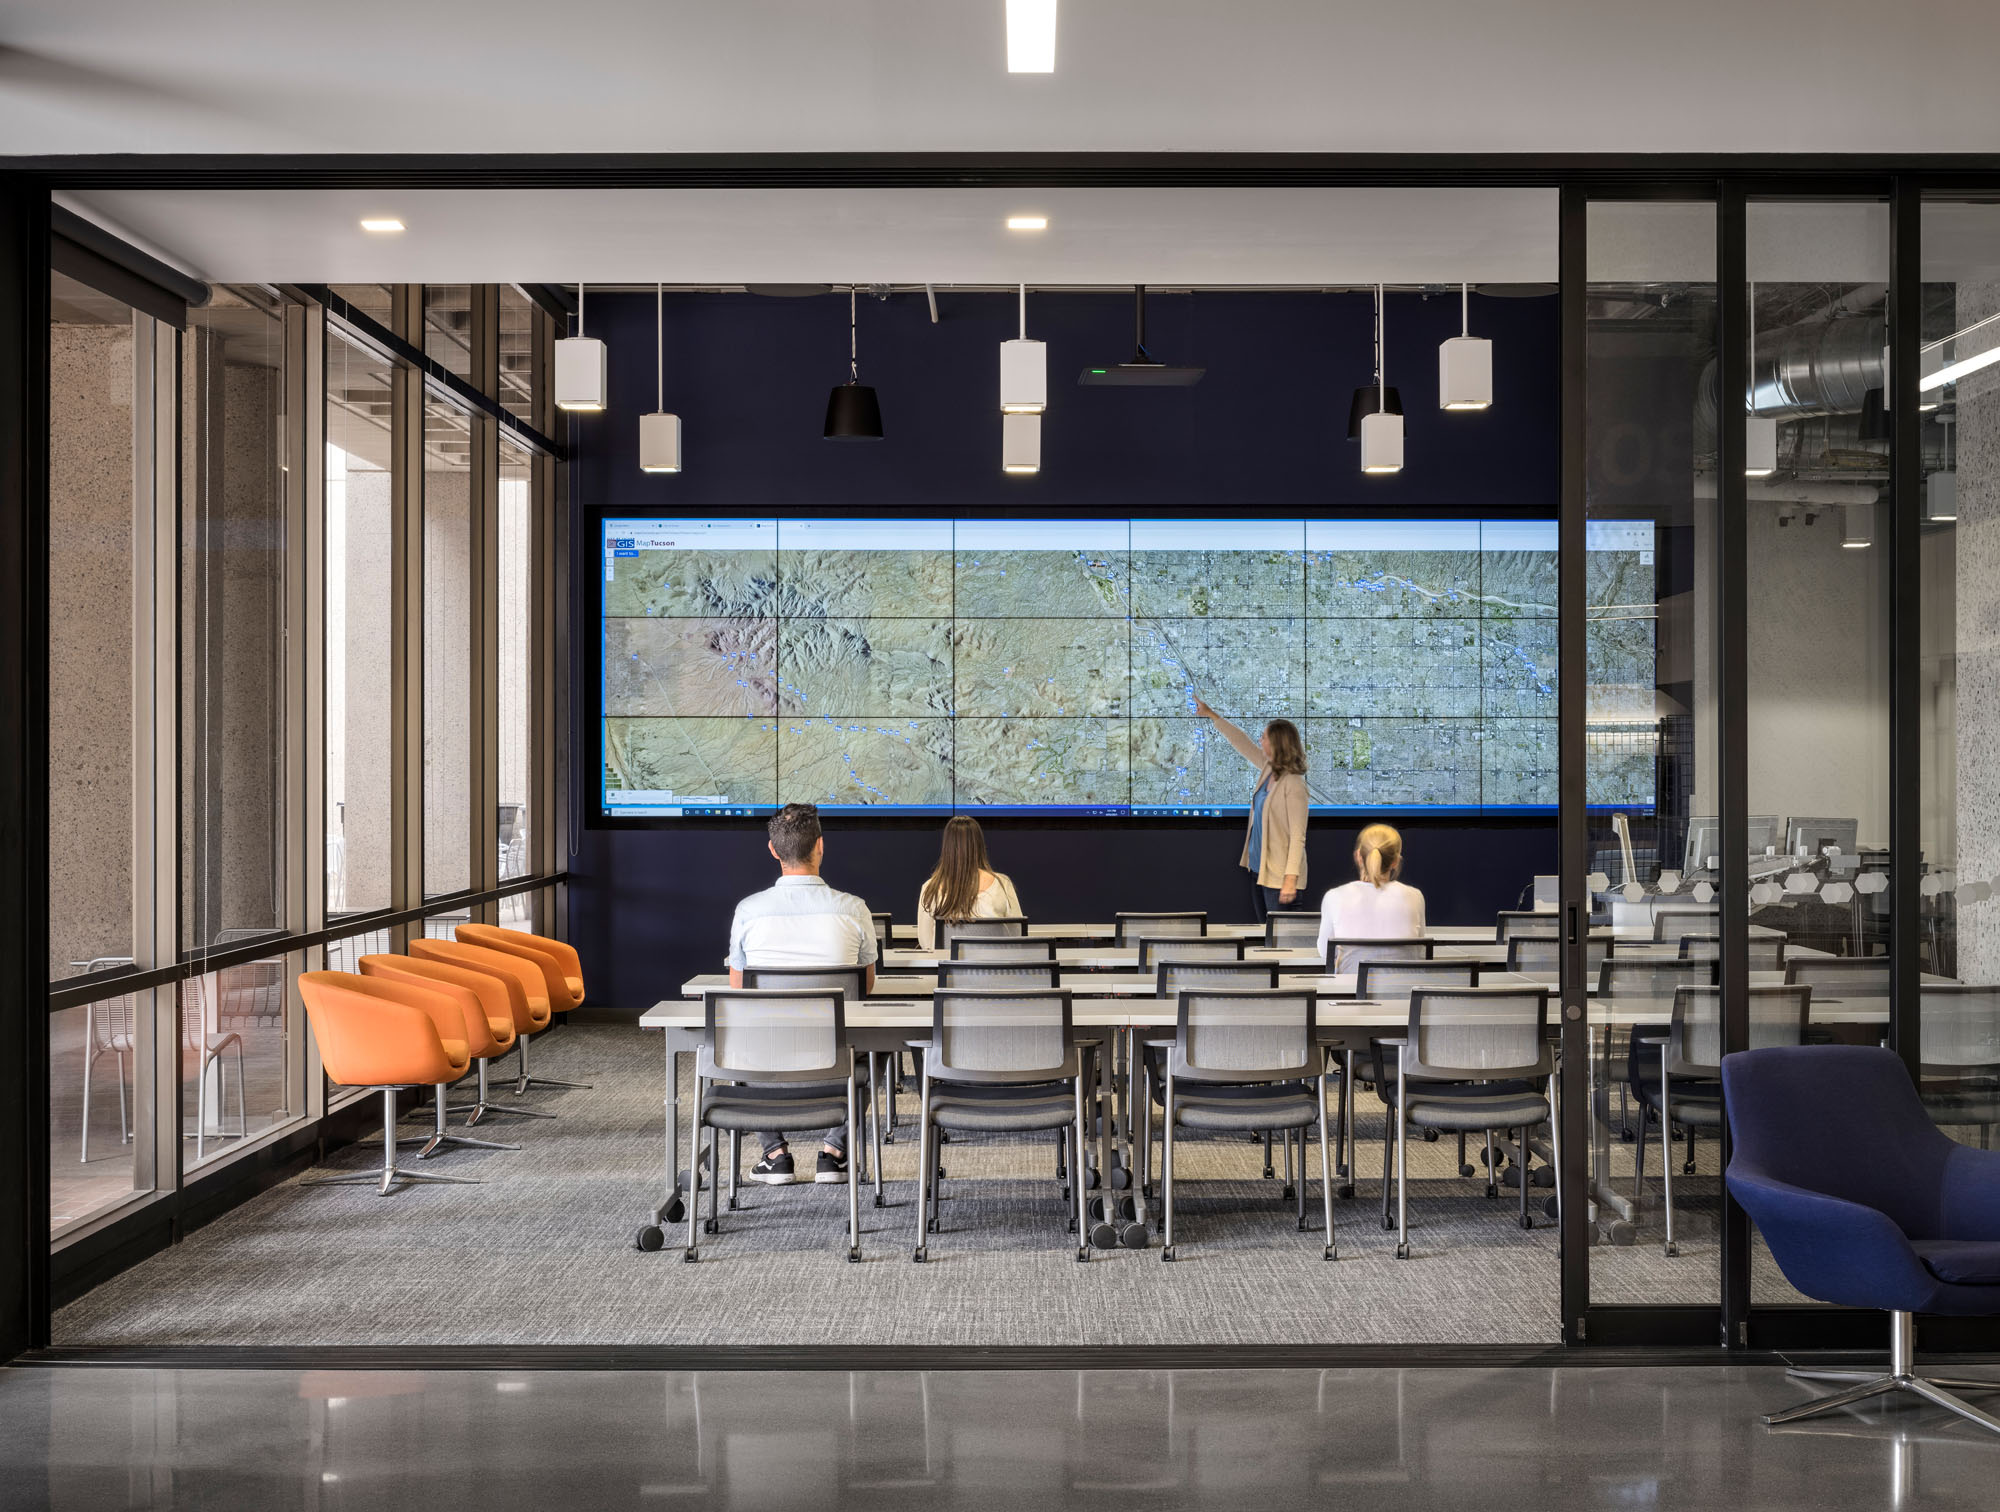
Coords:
pixel 1033 666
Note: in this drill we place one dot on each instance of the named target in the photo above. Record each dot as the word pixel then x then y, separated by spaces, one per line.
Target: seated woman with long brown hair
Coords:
pixel 964 886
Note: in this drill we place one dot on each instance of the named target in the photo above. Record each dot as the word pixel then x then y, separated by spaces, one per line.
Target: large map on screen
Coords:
pixel 1052 665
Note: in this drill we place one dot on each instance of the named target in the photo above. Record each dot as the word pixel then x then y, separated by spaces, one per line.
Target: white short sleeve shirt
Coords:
pixel 800 921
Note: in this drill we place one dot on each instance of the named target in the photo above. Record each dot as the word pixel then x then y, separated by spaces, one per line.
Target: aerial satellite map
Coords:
pixel 1053 665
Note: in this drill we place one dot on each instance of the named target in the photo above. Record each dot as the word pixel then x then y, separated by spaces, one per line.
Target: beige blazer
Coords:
pixel 1284 817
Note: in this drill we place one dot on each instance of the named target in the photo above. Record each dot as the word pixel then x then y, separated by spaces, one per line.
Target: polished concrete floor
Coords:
pixel 1473 1440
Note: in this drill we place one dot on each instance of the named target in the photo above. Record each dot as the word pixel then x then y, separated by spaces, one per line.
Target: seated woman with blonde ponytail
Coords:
pixel 1378 906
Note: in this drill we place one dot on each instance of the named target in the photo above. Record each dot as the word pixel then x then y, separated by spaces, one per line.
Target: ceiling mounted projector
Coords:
pixel 1144 370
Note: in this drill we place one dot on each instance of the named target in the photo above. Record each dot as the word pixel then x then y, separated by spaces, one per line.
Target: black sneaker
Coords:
pixel 832 1168
pixel 774 1170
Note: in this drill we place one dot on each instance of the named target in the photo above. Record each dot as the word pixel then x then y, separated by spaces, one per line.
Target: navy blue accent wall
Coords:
pixel 1264 432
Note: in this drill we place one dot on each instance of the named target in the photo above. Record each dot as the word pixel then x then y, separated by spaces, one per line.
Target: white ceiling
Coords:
pixel 1825 76
pixel 942 236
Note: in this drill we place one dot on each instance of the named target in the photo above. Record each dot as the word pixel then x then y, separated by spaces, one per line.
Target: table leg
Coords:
pixel 1601 1193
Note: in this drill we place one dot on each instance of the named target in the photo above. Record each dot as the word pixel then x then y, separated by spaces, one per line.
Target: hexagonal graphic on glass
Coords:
pixel 1633 891
pixel 1975 892
pixel 1670 881
pixel 1764 894
pixel 1802 883
pixel 1871 882
pixel 1837 893
pixel 1703 892
pixel 1598 882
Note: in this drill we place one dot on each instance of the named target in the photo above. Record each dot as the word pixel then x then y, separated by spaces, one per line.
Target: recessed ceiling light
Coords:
pixel 383 223
pixel 1031 36
pixel 1027 223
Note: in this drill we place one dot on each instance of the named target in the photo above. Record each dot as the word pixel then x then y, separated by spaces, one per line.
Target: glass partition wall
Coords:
pixel 269 548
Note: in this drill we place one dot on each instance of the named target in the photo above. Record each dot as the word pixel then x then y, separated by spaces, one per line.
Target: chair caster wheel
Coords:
pixel 1687 1168
pixel 1103 1236
pixel 880 1200
pixel 1289 1194
pixel 1466 1169
pixel 651 1237
pixel 1146 1188
pixel 1345 1189
pixel 944 1136
pixel 731 1205
pixel 1127 1209
pixel 689 1257
pixel 1303 1226
pixel 1270 1174
pixel 1626 1135
pixel 710 1226
pixel 675 1211
pixel 1330 1253
pixel 1551 1209
pixel 1133 1236
pixel 1527 1220
pixel 1121 1179
pixel 1091 1181
pixel 1622 1233
pixel 1388 1225
pixel 943 1174
pixel 917 1257
pixel 930 1225
pixel 854 1256
pixel 1672 1251
pixel 1402 1252
pixel 1430 1136
pixel 1544 1176
pixel 1492 1192
pixel 1167 1254
pixel 1082 1255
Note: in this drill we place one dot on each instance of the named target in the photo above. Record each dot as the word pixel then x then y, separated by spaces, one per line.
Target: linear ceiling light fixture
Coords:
pixel 1382 431
pixel 1027 223
pixel 581 367
pixel 1760 432
pixel 1465 364
pixel 660 432
pixel 852 411
pixel 1031 36
pixel 381 223
pixel 1965 367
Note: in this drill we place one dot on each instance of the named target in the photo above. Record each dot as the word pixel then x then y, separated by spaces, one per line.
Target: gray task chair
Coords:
pixel 1003 950
pixel 884 929
pixel 852 981
pixel 1243 1062
pixel 1841 976
pixel 1176 976
pixel 1513 923
pixel 1154 949
pixel 1541 955
pixel 1008 974
pixel 1344 955
pixel 1484 1042
pixel 1295 931
pixel 1960 1058
pixel 1767 952
pixel 951 931
pixel 999 1062
pixel 1671 923
pixel 1689 1089
pixel 1392 982
pixel 1131 927
pixel 772 1059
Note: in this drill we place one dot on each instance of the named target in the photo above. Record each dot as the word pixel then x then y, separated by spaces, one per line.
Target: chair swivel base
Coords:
pixel 524 1081
pixel 1902 1376
pixel 390 1173
pixel 484 1106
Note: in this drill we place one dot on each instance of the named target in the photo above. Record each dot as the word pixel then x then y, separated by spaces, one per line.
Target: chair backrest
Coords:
pixel 795 1034
pixel 851 980
pixel 1029 974
pixel 1672 920
pixel 1841 976
pixel 1234 1035
pixel 1478 1033
pixel 375 1032
pixel 1541 955
pixel 1513 923
pixel 1291 929
pixel 1649 980
pixel 1001 1036
pixel 526 947
pixel 1153 950
pixel 1349 955
pixel 1694 1042
pixel 490 999
pixel 1003 950
pixel 529 995
pixel 1767 952
pixel 884 927
pixel 1135 926
pixel 1960 1029
pixel 1392 981
pixel 1176 976
pixel 950 931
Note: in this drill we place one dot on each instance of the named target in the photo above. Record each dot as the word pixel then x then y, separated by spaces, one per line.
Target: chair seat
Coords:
pixel 787 1114
pixel 1477 1113
pixel 1963 1262
pixel 1432 1091
pixel 1965 1105
pixel 1046 1109
pixel 1246 1108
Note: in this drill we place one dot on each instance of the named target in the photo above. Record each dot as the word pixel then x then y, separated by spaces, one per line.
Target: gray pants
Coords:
pixel 835 1138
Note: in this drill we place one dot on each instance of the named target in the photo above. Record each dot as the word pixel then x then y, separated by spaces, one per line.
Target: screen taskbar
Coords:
pixel 711 809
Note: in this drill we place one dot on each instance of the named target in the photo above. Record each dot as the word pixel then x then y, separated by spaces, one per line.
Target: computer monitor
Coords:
pixel 1705 839
pixel 1815 835
pixel 1548 894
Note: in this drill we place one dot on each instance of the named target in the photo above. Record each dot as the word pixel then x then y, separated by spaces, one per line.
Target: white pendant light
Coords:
pixel 1465 364
pixel 1024 371
pixel 581 368
pixel 1381 432
pixel 1941 488
pixel 1020 444
pixel 660 432
pixel 1760 432
pixel 1857 530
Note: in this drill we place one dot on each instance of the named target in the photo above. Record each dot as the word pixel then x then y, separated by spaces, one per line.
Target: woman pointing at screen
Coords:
pixel 1274 849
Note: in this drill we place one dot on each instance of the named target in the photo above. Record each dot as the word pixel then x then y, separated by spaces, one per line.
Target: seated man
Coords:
pixel 800 921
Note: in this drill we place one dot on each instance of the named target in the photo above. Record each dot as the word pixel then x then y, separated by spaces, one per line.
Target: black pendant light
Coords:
pixel 1367 401
pixel 1874 416
pixel 852 413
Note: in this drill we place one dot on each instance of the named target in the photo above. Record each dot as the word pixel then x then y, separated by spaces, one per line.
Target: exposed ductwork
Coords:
pixel 1819 367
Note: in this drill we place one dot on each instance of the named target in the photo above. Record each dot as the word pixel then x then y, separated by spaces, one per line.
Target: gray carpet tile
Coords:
pixel 541 1252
